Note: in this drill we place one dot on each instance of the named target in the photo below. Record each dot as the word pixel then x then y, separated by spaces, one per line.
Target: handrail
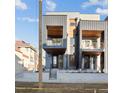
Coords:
pixel 93 47
pixel 55 42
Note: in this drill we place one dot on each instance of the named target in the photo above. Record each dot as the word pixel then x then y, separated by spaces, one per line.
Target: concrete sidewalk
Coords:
pixel 64 77
pixel 27 77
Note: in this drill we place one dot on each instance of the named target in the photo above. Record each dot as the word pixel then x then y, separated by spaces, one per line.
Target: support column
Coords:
pixel 64 61
pixel 82 62
pixel 68 62
pixel 98 64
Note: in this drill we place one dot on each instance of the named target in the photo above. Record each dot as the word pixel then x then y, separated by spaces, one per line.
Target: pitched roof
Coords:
pixel 21 43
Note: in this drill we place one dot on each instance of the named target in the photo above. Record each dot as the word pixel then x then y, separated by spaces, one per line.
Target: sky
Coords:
pixel 26 21
pixel 27 12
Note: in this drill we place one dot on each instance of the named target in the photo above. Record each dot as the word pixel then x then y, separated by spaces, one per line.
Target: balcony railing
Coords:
pixel 55 42
pixel 92 45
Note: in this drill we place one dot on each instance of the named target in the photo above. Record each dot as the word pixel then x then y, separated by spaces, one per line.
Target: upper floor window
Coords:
pixel 31 59
pixel 31 50
pixel 27 49
pixel 72 24
pixel 72 42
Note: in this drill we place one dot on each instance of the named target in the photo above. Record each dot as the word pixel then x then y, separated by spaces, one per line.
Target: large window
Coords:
pixel 90 62
pixel 31 59
pixel 86 62
pixel 54 61
pixel 27 49
pixel 72 24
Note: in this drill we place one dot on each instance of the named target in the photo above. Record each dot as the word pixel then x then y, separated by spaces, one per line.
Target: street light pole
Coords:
pixel 40 44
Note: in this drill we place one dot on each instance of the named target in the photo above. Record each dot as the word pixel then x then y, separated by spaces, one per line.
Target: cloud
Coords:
pixel 50 5
pixel 102 11
pixel 21 5
pixel 100 3
pixel 28 19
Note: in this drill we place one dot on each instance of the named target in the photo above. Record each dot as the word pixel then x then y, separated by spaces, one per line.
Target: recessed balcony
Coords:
pixel 55 43
pixel 92 40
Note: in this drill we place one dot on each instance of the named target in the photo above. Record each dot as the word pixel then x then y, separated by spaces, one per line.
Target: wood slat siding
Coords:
pixel 58 20
pixel 93 25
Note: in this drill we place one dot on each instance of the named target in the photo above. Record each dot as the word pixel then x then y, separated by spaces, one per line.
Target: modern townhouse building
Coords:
pixel 91 45
pixel 27 54
pixel 74 42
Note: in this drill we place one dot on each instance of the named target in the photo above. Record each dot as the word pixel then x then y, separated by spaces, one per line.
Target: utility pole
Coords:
pixel 40 44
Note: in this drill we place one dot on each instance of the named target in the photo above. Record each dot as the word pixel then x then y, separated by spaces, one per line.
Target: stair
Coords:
pixel 53 74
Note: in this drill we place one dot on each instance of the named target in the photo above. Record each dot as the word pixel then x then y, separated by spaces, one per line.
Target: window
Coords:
pixel 54 61
pixel 72 41
pixel 27 49
pixel 72 24
pixel 31 50
pixel 31 59
pixel 87 62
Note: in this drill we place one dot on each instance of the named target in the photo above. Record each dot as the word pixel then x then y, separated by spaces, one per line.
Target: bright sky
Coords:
pixel 27 14
pixel 26 21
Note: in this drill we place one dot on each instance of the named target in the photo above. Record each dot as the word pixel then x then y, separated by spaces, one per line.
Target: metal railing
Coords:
pixel 55 42
pixel 92 46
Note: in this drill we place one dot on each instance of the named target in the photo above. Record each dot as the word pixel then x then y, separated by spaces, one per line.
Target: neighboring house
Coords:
pixel 18 67
pixel 27 54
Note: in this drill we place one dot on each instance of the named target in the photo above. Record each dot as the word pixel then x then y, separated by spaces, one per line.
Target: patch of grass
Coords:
pixel 57 90
pixel 32 87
